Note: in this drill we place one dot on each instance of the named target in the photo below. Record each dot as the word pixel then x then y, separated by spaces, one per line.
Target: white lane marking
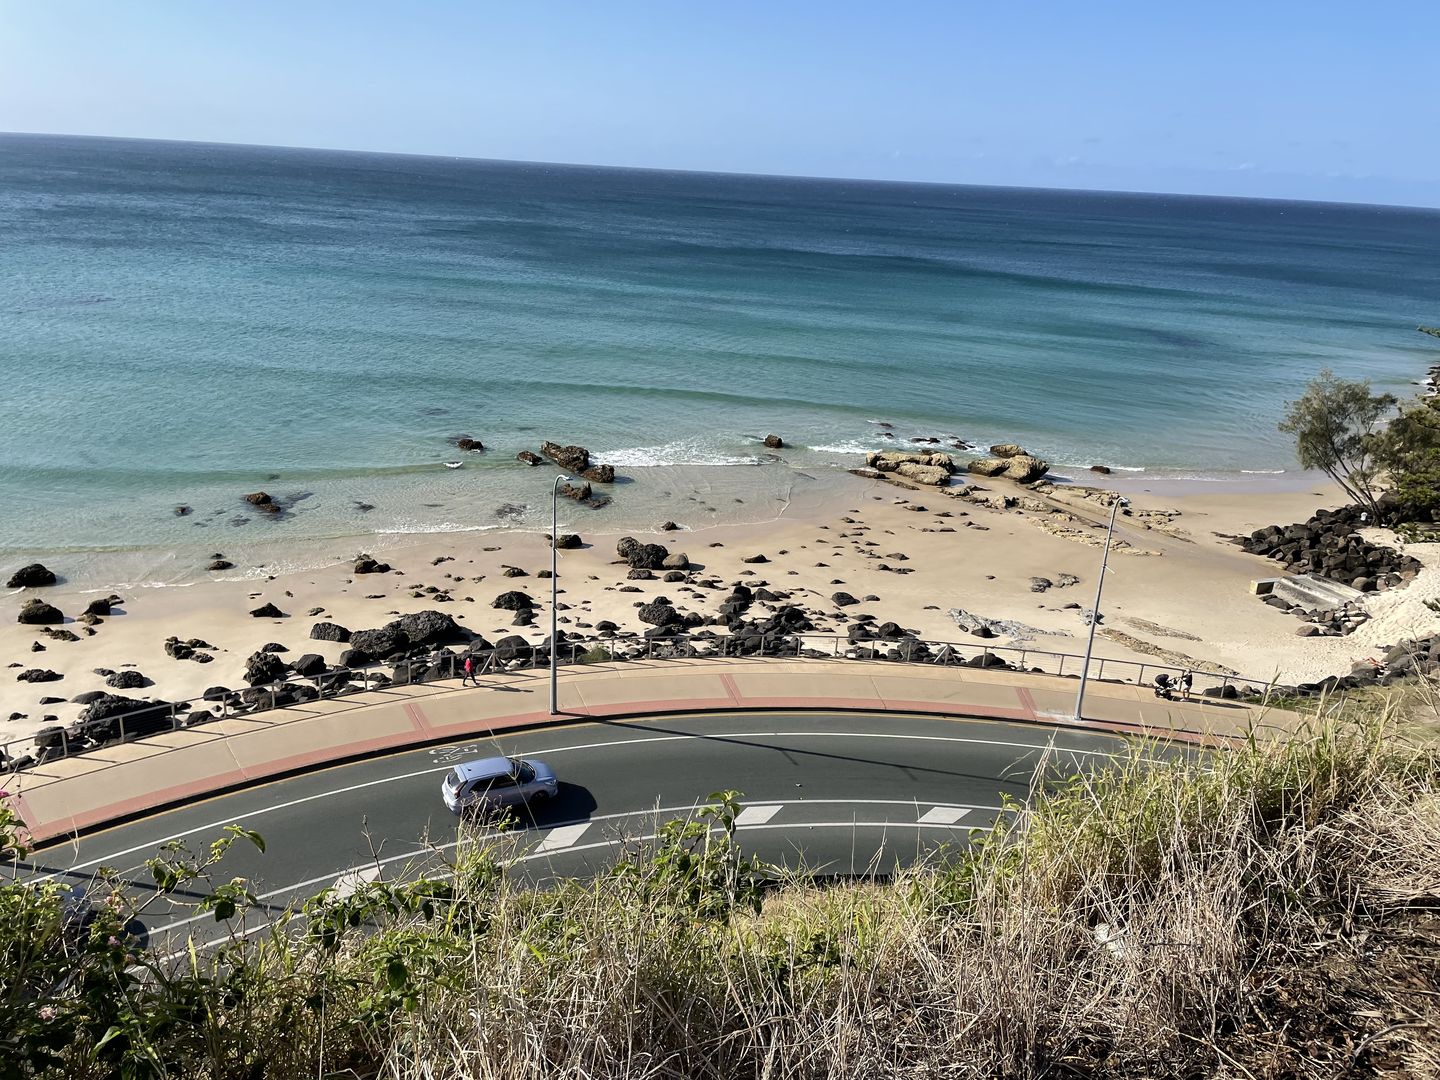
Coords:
pixel 441 875
pixel 756 815
pixel 551 752
pixel 295 886
pixel 943 815
pixel 351 882
pixel 563 837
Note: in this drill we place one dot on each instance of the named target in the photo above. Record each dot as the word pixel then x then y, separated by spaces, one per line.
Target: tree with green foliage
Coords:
pixel 1408 452
pixel 1335 425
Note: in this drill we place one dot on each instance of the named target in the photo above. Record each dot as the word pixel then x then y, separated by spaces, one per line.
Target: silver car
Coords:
pixel 498 783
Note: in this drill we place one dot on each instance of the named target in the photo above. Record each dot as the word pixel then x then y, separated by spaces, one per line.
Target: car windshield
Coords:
pixel 523 772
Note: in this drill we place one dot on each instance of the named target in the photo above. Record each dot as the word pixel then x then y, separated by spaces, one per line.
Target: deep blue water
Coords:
pixel 181 322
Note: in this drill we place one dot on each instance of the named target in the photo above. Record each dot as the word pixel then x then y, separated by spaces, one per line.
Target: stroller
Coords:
pixel 1165 686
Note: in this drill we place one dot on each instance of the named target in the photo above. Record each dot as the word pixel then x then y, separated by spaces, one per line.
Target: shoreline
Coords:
pixel 97 568
pixel 906 555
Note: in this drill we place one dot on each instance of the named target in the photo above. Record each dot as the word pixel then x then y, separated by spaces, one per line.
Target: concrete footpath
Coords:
pixel 70 795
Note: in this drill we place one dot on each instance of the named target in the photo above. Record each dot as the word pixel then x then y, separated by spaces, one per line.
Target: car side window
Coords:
pixel 525 774
pixel 502 782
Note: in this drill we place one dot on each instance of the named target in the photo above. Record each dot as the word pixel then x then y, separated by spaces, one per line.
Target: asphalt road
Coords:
pixel 835 793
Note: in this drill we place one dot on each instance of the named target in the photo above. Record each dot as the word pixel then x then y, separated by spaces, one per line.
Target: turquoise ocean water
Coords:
pixel 184 323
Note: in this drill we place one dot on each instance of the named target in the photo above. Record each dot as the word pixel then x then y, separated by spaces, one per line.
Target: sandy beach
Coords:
pixel 1179 591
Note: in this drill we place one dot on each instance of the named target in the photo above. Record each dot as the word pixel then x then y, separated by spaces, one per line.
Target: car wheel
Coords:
pixel 539 797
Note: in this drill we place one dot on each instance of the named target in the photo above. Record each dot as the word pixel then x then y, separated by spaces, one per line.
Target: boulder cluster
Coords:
pixel 1011 461
pixel 1323 622
pixel 923 468
pixel 1329 546
pixel 576 461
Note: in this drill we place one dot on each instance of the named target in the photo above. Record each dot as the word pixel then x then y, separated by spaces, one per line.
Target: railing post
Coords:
pixel 1100 671
pixel 1140 678
pixel 121 721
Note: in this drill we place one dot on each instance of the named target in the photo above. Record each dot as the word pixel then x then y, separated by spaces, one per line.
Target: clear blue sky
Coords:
pixel 1319 100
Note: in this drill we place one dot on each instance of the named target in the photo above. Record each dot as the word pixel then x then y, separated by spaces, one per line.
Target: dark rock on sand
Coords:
pixel 329 631
pixel 1103 470
pixel 221 564
pixel 639 573
pixel 364 564
pixel 31 577
pixel 669 526
pixel 36 612
pixel 566 541
pixel 98 607
pixel 1007 450
pixel 676 561
pixel 599 474
pixel 34 675
pixel 127 680
pixel 309 665
pixel 754 559
pixel 431 628
pixel 356 658
pixel 267 611
pixel 659 613
pixel 647 557
pixel 513 601
pixel 380 643
pixel 264 667
pixel 843 599
pixel 513 648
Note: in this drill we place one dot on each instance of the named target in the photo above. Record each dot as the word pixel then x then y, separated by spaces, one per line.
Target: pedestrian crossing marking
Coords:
pixel 943 815
pixel 563 837
pixel 757 815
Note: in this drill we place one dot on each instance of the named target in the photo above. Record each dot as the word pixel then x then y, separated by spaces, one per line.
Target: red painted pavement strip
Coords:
pixel 429 732
pixel 1027 702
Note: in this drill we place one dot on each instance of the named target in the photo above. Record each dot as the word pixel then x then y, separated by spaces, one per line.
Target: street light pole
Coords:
pixel 1095 611
pixel 555 593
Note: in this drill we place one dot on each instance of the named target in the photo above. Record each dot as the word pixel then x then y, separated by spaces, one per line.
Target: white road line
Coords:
pixel 295 886
pixel 757 815
pixel 563 837
pixel 353 881
pixel 943 815
pixel 614 841
pixel 260 811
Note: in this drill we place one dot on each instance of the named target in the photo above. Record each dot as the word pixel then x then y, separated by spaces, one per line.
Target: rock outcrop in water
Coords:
pixel 31 577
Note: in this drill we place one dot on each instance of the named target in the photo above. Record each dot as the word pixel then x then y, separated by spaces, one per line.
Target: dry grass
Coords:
pixel 1264 913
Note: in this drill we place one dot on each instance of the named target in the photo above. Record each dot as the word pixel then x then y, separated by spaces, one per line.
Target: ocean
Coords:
pixel 181 324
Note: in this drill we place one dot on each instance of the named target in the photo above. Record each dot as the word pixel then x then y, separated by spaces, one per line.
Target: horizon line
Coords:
pixel 726 172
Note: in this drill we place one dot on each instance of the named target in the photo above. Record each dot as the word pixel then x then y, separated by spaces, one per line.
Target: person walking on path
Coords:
pixel 1187 680
pixel 470 672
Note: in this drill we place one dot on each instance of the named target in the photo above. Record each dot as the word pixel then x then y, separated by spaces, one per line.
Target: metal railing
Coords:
pixel 447 665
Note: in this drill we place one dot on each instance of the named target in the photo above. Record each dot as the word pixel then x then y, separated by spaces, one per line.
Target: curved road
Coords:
pixel 838 793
